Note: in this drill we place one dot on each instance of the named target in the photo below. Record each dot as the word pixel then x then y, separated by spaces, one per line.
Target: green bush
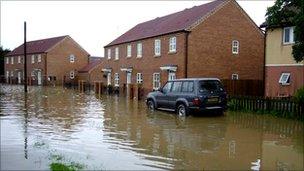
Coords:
pixel 299 96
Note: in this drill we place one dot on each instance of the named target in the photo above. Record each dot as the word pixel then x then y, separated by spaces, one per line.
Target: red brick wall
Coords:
pixel 273 74
pixel 210 46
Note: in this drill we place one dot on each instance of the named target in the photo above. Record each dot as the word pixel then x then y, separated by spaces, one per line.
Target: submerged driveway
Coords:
pixel 57 125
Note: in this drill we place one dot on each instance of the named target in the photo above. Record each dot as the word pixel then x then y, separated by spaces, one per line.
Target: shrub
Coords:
pixel 299 95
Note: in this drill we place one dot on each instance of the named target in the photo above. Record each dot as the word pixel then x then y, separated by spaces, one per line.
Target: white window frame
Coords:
pixel 19 59
pixel 129 51
pixel 39 58
pixel 171 75
pixel 139 50
pixel 284 82
pixel 235 76
pixel 33 59
pixel 72 58
pixel 139 78
pixel 156 81
pixel 291 35
pixel 12 60
pixel 109 53
pixel 116 53
pixel 157 47
pixel 172 44
pixel 7 60
pixel 235 47
pixel 116 80
pixel 109 78
pixel 72 74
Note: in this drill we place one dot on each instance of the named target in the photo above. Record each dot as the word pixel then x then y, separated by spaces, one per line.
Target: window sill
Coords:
pixel 288 43
pixel 285 84
pixel 172 52
pixel 116 59
pixel 235 53
pixel 138 57
pixel 157 56
pixel 128 57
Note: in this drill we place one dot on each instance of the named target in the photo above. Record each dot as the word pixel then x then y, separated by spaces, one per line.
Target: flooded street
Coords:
pixel 53 124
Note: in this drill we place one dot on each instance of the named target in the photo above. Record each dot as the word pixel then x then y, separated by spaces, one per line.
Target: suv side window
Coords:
pixel 187 86
pixel 167 87
pixel 177 85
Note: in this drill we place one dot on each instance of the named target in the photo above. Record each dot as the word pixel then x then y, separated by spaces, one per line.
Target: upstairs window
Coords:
pixel 72 74
pixel 33 59
pixel 157 48
pixel 172 44
pixel 7 60
pixel 129 51
pixel 156 81
pixel 139 50
pixel 116 80
pixel 116 53
pixel 139 78
pixel 19 59
pixel 39 58
pixel 72 58
pixel 12 60
pixel 235 47
pixel 234 76
pixel 109 53
pixel 288 35
pixel 285 79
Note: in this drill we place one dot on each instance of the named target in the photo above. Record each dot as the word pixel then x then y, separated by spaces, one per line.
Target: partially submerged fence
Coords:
pixel 283 107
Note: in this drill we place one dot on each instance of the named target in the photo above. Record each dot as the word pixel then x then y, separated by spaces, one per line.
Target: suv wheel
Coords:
pixel 151 105
pixel 182 110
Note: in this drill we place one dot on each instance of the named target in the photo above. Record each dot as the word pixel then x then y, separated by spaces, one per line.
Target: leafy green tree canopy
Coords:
pixel 289 13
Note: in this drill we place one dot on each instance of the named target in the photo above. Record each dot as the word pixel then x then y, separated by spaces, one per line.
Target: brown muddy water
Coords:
pixel 109 132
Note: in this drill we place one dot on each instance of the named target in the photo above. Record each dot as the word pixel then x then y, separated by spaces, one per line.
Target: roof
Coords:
pixel 198 79
pixel 90 66
pixel 171 23
pixel 37 46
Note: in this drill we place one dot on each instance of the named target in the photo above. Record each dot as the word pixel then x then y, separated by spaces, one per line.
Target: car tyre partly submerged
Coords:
pixel 151 105
pixel 182 110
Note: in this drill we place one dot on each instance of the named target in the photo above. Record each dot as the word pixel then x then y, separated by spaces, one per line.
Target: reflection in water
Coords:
pixel 98 131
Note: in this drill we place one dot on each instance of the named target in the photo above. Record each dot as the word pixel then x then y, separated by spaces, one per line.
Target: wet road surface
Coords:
pixel 110 132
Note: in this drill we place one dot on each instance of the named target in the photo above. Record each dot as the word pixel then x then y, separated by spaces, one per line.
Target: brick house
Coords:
pixel 49 61
pixel 217 39
pixel 283 75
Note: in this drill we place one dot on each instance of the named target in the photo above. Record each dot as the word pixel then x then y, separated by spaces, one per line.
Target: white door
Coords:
pixel 109 78
pixel 129 77
pixel 19 77
pixel 39 79
pixel 171 76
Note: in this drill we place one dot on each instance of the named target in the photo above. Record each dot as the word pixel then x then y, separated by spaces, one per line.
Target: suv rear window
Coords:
pixel 210 85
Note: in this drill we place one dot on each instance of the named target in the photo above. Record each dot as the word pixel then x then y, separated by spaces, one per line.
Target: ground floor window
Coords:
pixel 156 81
pixel 72 74
pixel 12 73
pixel 116 80
pixel 109 78
pixel 7 74
pixel 139 78
pixel 234 76
pixel 285 79
pixel 171 75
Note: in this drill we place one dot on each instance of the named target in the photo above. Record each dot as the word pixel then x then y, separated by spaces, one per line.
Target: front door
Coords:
pixel 39 78
pixel 171 76
pixel 109 78
pixel 19 77
pixel 129 77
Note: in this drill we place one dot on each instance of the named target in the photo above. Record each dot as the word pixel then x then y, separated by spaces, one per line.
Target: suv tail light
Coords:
pixel 196 101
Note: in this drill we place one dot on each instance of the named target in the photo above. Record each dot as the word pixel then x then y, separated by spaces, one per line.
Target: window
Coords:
pixel 288 35
pixel 235 47
pixel 12 60
pixel 19 59
pixel 116 80
pixel 72 74
pixel 7 60
pixel 109 78
pixel 157 48
pixel 167 87
pixel 177 86
pixel 129 50
pixel 39 58
pixel 139 78
pixel 234 76
pixel 172 44
pixel 285 79
pixel 210 85
pixel 139 50
pixel 109 53
pixel 33 59
pixel 12 73
pixel 72 58
pixel 7 74
pixel 187 86
pixel 156 81
pixel 116 53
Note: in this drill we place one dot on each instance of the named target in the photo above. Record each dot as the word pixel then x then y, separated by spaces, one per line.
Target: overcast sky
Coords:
pixel 92 24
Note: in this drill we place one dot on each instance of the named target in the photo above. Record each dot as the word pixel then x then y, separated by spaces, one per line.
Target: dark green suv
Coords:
pixel 186 95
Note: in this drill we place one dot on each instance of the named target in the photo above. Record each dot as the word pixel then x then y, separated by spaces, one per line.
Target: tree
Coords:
pixel 289 12
pixel 3 52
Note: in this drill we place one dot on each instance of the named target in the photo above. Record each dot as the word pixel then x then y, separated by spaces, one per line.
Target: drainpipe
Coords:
pixel 264 67
pixel 186 54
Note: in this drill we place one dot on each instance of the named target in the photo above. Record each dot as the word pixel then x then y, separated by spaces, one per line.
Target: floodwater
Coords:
pixel 53 124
